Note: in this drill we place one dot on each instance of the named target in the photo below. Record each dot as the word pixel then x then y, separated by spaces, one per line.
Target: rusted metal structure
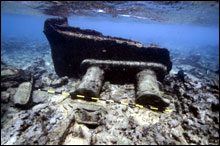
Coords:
pixel 78 52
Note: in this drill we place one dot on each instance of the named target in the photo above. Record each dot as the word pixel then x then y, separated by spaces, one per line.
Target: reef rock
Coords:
pixel 39 97
pixel 59 82
pixel 12 77
pixel 23 94
pixel 5 96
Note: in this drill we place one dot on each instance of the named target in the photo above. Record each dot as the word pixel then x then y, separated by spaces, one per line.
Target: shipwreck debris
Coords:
pixel 91 83
pixel 78 52
pixel 148 90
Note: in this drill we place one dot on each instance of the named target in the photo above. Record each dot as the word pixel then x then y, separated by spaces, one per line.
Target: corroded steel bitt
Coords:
pixel 147 89
pixel 148 92
pixel 91 83
pixel 78 51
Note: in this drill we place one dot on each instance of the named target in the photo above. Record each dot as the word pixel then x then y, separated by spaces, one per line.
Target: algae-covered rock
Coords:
pixel 23 94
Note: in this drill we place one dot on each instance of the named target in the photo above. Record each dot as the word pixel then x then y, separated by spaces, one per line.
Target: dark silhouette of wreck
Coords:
pixel 78 52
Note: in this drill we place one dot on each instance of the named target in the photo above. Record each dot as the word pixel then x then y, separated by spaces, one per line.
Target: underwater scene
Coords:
pixel 109 72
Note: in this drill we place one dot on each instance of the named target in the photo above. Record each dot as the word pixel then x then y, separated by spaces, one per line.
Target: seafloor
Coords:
pixel 49 118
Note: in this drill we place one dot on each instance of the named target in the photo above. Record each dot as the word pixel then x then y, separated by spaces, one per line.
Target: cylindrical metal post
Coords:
pixel 91 83
pixel 148 90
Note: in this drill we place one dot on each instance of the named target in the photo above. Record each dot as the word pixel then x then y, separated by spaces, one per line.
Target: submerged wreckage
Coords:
pixel 77 52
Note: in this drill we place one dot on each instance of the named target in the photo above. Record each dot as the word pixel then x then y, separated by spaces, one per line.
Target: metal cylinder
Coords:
pixel 148 92
pixel 91 83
